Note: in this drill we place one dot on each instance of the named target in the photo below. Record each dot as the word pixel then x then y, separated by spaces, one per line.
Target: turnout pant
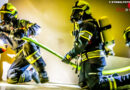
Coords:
pixel 91 75
pixel 17 73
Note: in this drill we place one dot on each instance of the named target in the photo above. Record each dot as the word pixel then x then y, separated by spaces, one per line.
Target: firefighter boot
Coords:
pixel 34 75
pixel 39 65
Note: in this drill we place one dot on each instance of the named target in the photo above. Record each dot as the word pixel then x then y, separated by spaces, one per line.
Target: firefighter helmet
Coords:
pixel 79 9
pixel 8 11
pixel 127 36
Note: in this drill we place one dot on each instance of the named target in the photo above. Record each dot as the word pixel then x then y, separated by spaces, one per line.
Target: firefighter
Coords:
pixel 127 36
pixel 88 44
pixel 12 30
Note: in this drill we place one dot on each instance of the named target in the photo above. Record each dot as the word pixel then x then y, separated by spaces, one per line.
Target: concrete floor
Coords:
pixel 46 86
pixel 33 86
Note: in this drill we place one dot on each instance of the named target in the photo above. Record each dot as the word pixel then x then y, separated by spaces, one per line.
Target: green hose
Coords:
pixel 105 72
pixel 47 49
pixel 119 70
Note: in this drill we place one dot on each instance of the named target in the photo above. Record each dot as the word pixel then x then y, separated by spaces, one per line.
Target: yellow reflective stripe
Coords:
pixel 82 8
pixel 31 55
pixel 110 83
pixel 22 78
pixel 85 37
pixel 114 82
pixel 92 54
pixel 33 61
pixel 125 33
pixel 87 32
pixel 5 12
pixel 91 58
pixel 76 8
pixel 19 52
pixel 124 36
pixel 76 26
pixel 127 30
pixel 95 57
pixel 94 51
pixel 84 60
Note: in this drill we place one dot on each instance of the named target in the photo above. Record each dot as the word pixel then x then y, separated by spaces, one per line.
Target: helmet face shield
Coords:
pixel 76 15
pixel 5 16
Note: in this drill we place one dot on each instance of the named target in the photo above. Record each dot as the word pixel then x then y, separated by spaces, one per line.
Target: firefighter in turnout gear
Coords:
pixel 89 46
pixel 12 30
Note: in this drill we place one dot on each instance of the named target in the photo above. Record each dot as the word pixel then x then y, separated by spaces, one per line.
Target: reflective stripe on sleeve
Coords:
pixel 85 34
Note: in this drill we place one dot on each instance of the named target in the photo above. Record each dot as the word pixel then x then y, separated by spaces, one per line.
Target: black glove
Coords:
pixel 67 58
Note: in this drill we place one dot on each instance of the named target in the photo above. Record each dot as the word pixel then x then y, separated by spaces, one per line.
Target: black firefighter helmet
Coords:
pixel 7 12
pixel 79 9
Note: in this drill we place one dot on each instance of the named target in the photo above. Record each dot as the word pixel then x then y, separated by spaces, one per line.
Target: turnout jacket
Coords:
pixel 17 29
pixel 87 41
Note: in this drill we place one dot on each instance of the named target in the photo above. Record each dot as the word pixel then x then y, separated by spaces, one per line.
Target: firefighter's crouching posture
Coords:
pixel 89 45
pixel 12 30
